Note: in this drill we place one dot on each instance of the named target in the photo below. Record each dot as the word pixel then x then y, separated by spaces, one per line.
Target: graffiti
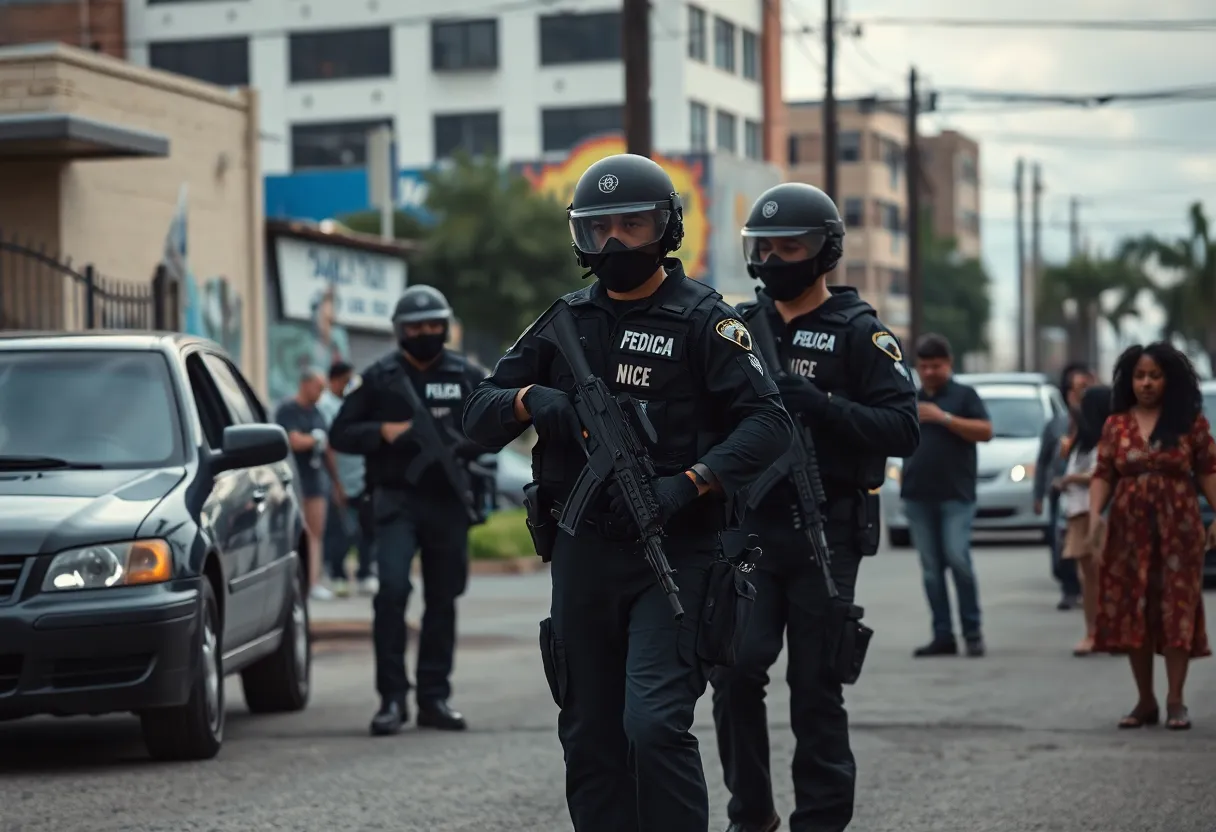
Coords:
pixel 297 346
pixel 688 174
pixel 212 310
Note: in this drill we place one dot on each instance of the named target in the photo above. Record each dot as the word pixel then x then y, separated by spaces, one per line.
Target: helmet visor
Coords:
pixel 790 244
pixel 633 226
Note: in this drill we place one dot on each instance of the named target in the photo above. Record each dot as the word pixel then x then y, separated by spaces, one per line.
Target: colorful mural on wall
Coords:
pixel 689 174
pixel 295 346
pixel 210 309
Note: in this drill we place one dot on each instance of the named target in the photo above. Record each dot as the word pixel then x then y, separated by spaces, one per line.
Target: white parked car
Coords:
pixel 1020 404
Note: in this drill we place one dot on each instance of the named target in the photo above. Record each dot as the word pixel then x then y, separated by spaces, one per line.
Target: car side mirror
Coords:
pixel 248 446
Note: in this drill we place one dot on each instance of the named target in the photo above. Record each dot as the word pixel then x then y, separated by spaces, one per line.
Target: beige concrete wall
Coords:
pixel 116 213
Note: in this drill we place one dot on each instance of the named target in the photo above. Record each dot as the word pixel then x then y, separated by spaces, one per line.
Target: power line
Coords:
pixel 1092 142
pixel 1187 25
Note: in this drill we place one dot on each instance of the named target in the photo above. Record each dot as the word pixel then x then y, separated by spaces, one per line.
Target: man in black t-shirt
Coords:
pixel 939 494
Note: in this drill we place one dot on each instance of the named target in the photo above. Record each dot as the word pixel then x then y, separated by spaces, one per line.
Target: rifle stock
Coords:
pixel 614 453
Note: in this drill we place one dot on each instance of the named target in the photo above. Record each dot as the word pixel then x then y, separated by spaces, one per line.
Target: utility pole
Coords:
pixel 1036 267
pixel 912 171
pixel 831 161
pixel 1074 228
pixel 380 176
pixel 1020 232
pixel 635 52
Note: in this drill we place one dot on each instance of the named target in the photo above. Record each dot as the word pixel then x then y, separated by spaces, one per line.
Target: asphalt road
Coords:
pixel 1023 740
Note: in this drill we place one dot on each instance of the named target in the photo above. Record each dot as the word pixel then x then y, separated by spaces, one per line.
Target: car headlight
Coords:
pixel 132 563
pixel 1021 472
pixel 893 473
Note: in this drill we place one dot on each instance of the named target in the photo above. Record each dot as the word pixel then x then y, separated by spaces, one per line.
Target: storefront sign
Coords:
pixel 364 286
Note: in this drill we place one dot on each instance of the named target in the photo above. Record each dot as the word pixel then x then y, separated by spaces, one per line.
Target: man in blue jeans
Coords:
pixel 939 494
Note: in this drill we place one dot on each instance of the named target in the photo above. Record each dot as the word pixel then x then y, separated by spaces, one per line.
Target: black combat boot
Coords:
pixel 439 714
pixel 389 719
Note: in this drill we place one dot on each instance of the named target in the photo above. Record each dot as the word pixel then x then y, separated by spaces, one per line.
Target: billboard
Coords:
pixel 689 174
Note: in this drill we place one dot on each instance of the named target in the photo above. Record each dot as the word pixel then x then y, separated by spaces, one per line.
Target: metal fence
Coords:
pixel 40 291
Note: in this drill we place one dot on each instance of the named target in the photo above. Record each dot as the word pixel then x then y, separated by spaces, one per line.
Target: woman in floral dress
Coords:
pixel 1155 449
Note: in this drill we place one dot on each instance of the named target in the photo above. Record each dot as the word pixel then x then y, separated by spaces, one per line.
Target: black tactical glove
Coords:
pixel 467 449
pixel 673 493
pixel 801 396
pixel 552 413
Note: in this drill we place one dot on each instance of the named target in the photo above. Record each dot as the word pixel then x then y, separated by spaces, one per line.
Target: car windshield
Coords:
pixel 104 408
pixel 1015 418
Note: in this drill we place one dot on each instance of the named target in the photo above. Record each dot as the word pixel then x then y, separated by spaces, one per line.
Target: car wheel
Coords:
pixel 899 538
pixel 194 731
pixel 282 681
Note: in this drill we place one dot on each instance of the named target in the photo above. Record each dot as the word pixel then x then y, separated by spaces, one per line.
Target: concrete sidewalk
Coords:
pixel 494 600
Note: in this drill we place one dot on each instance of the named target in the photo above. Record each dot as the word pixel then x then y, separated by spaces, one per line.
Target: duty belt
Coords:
pixel 604 524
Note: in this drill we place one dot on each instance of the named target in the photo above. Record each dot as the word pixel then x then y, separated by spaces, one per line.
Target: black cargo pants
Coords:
pixel 436 526
pixel 791 602
pixel 627 679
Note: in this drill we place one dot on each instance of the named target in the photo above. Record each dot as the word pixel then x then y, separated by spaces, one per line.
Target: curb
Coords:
pixel 360 629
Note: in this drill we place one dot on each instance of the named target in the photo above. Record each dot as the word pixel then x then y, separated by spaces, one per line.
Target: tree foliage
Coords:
pixel 1087 281
pixel 498 250
pixel 956 293
pixel 1190 303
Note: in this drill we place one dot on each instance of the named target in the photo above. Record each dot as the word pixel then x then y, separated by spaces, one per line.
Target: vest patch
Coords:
pixel 735 332
pixel 443 392
pixel 633 375
pixel 822 341
pixel 803 367
pixel 648 343
pixel 887 342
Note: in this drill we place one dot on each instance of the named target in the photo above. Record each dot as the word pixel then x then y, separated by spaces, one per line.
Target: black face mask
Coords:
pixel 424 347
pixel 623 269
pixel 785 281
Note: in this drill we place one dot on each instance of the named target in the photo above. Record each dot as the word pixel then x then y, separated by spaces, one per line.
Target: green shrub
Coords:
pixel 503 536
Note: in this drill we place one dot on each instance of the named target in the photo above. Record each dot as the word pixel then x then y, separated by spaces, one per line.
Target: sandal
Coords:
pixel 1084 648
pixel 1177 718
pixel 1138 718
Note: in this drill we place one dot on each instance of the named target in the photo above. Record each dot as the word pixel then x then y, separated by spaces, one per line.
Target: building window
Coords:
pixel 696 34
pixel 753 142
pixel 466 44
pixel 224 62
pixel 565 127
pixel 854 213
pixel 751 56
pixel 698 131
pixel 474 133
pixel 898 284
pixel 855 275
pixel 726 129
pixel 724 44
pixel 580 38
pixel 889 217
pixel 971 222
pixel 892 155
pixel 849 147
pixel 334 55
pixel 331 145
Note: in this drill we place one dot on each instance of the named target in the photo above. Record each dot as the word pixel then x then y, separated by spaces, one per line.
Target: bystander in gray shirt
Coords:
pixel 350 466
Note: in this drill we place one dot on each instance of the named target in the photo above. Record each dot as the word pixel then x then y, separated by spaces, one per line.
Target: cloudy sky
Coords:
pixel 1135 168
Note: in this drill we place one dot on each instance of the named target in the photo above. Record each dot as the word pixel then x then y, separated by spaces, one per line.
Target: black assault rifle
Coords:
pixel 800 466
pixel 614 454
pixel 432 448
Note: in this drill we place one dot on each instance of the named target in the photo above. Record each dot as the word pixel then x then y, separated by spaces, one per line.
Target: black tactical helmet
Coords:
pixel 421 303
pixel 794 209
pixel 618 186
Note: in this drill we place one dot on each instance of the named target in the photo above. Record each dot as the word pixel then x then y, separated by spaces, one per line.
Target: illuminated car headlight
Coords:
pixel 1021 472
pixel 132 563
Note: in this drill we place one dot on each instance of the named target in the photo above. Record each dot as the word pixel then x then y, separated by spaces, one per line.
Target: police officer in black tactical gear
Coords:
pixel 846 380
pixel 625 675
pixel 426 511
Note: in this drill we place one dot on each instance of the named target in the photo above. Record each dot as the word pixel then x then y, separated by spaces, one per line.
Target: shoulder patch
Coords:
pixel 356 381
pixel 887 342
pixel 734 331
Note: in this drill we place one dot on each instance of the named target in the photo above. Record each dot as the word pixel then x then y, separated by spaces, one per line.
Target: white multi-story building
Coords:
pixel 522 79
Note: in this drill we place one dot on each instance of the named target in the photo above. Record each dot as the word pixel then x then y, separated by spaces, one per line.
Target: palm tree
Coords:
pixel 1085 281
pixel 1189 303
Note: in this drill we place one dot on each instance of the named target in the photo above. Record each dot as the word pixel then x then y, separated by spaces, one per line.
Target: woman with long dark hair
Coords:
pixel 1154 449
pixel 1080 545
